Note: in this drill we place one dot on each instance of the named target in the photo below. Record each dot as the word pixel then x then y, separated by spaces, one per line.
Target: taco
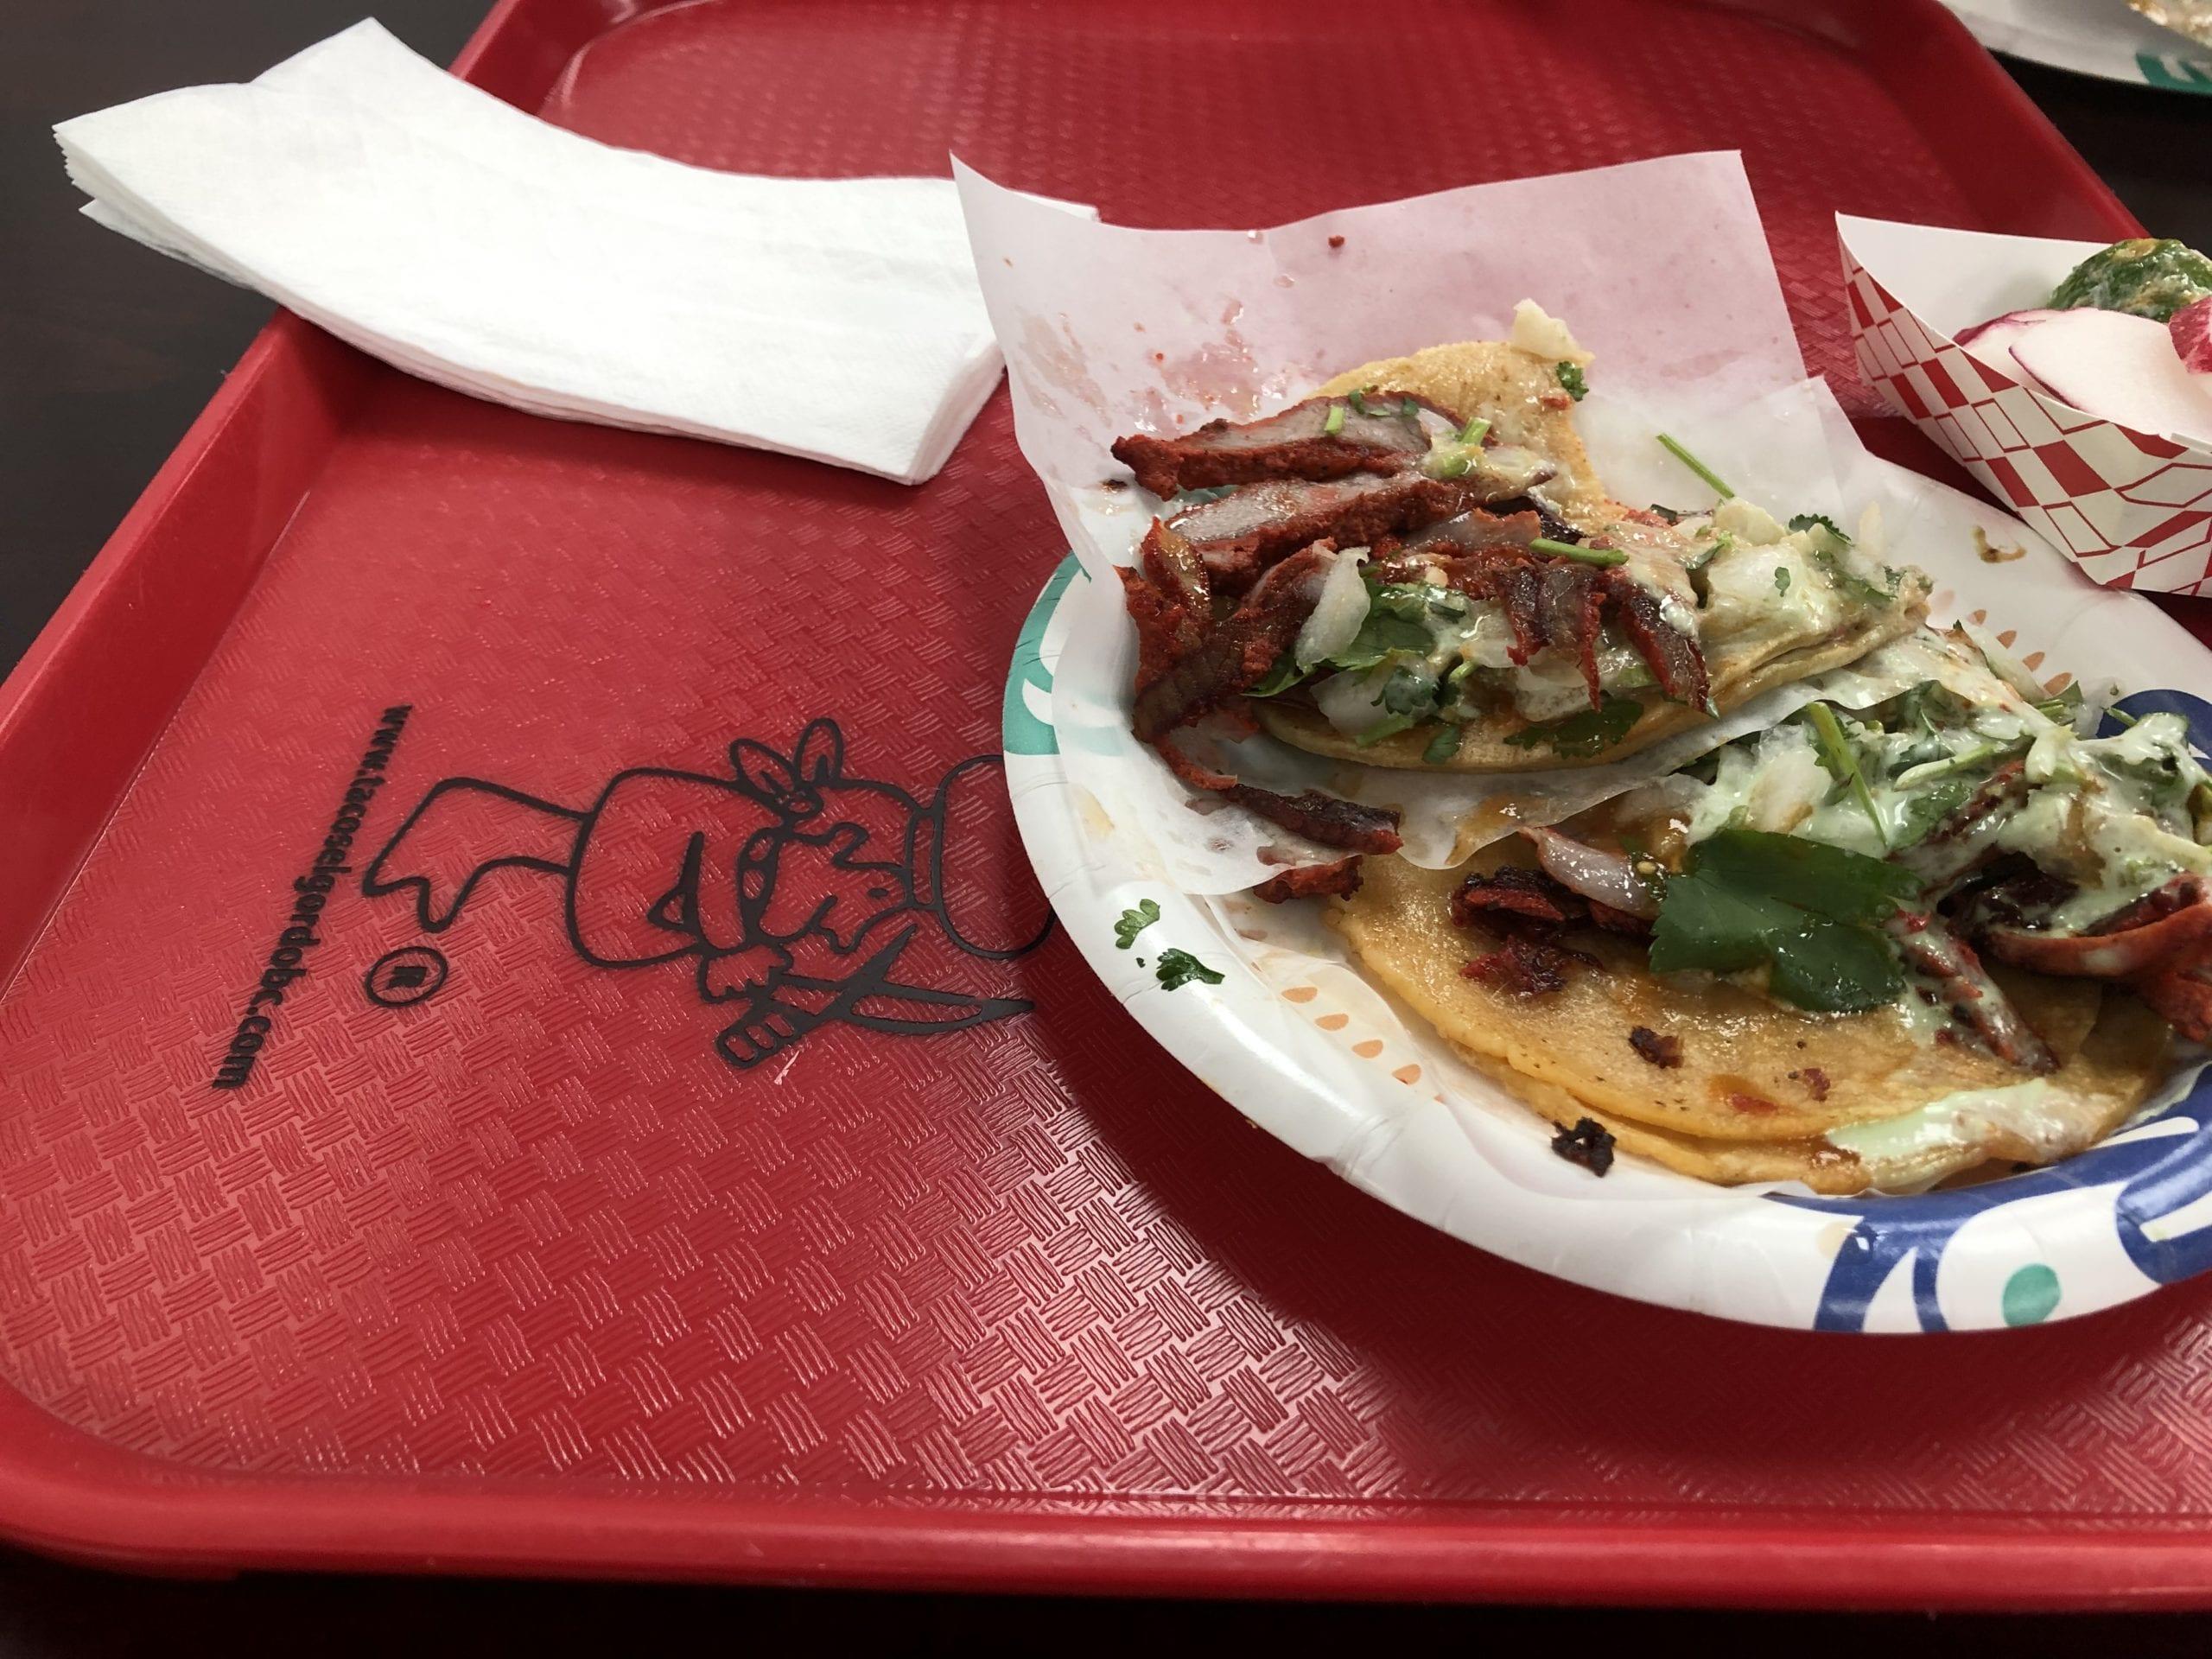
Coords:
pixel 1417 566
pixel 1866 949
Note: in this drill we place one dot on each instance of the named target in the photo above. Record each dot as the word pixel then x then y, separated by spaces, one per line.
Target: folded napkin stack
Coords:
pixel 463 241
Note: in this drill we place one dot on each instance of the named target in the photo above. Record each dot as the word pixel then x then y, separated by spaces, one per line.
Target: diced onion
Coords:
pixel 2003 664
pixel 1337 614
pixel 1353 703
pixel 1747 522
pixel 1540 334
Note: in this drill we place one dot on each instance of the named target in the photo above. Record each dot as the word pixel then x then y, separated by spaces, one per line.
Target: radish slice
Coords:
pixel 1991 343
pixel 2190 329
pixel 2121 366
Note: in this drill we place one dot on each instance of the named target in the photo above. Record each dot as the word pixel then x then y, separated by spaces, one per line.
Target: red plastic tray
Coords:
pixel 555 1270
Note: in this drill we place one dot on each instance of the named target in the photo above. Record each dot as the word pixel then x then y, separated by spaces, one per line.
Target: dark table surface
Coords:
pixel 106 355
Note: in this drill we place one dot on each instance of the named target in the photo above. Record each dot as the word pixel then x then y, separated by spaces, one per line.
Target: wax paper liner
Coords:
pixel 1111 330
pixel 1300 1042
pixel 2133 508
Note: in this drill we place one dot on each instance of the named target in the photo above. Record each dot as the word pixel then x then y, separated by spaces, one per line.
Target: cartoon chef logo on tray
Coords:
pixel 803 893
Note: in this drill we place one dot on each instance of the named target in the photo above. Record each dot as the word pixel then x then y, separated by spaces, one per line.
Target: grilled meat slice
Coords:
pixel 1381 433
pixel 1328 819
pixel 1931 949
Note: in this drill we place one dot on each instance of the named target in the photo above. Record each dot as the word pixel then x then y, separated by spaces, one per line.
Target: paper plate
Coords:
pixel 1105 327
pixel 2102 38
pixel 1320 1059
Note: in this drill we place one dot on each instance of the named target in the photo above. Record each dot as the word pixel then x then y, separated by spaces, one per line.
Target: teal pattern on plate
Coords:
pixel 1020 730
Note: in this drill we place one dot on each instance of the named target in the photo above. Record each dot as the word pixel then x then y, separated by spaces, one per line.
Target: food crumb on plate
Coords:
pixel 1589 1143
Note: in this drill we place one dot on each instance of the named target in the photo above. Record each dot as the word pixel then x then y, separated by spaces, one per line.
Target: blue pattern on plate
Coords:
pixel 2160 1173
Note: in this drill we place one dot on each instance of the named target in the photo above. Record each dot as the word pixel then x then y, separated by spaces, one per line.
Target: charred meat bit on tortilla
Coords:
pixel 1339 880
pixel 1319 439
pixel 1519 901
pixel 1654 1049
pixel 1523 966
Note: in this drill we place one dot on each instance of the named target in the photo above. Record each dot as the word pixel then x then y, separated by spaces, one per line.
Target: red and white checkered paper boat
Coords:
pixel 2134 509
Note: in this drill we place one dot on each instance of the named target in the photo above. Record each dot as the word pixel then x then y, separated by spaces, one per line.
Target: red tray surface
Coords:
pixel 528 1275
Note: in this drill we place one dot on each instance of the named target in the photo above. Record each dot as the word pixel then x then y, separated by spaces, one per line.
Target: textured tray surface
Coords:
pixel 538 1224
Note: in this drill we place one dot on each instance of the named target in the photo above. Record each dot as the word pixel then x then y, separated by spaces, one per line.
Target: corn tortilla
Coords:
pixel 1759 1084
pixel 1517 392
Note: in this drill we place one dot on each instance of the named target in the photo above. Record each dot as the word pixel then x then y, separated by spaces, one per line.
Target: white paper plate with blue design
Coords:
pixel 1299 1042
pixel 1108 329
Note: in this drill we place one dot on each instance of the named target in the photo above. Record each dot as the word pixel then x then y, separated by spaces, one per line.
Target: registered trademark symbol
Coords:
pixel 400 978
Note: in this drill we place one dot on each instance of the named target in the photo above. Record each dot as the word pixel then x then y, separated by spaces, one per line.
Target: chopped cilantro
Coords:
pixel 1441 746
pixel 1841 764
pixel 1924 812
pixel 2160 774
pixel 1410 690
pixel 1179 968
pixel 1279 679
pixel 1335 423
pixel 1810 913
pixel 1588 731
pixel 1931 706
pixel 1957 760
pixel 1701 556
pixel 1393 623
pixel 1408 599
pixel 2061 707
pixel 1570 377
pixel 1848 581
pixel 1576 550
pixel 1712 479
pixel 1199 497
pixel 1409 409
pixel 1134 921
pixel 1828 552
pixel 1807 520
pixel 1781 578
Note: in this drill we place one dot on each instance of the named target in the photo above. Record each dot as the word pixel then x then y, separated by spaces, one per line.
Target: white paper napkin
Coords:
pixel 463 241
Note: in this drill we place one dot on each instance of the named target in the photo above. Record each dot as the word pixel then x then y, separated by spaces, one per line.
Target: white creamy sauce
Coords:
pixel 1746 599
pixel 2033 1119
pixel 1353 703
pixel 1922 1019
